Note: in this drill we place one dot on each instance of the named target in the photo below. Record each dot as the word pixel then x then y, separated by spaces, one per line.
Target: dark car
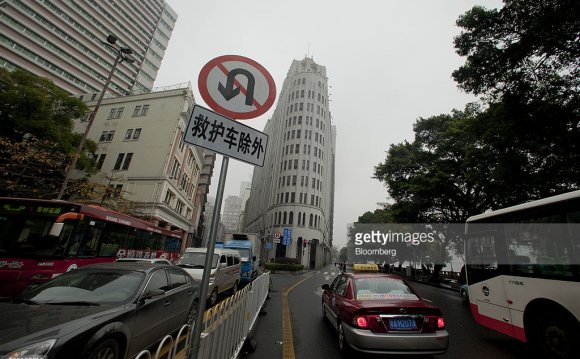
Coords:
pixel 380 313
pixel 109 310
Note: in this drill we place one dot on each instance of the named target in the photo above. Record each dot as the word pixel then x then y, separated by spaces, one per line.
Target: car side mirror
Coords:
pixel 325 287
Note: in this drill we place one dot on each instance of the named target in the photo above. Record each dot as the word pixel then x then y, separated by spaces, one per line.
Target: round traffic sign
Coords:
pixel 236 87
pixel 277 235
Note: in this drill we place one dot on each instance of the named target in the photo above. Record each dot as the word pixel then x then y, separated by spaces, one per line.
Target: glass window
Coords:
pixel 127 162
pixel 341 286
pixel 158 281
pixel 177 278
pixel 137 111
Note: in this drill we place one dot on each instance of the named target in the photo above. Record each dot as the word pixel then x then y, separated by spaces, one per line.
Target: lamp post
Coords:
pixel 122 53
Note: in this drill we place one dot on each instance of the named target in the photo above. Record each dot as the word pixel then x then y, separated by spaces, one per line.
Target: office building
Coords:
pixel 292 198
pixel 63 41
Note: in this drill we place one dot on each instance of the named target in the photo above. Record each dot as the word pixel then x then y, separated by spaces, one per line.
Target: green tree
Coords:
pixel 36 121
pixel 524 59
pixel 528 48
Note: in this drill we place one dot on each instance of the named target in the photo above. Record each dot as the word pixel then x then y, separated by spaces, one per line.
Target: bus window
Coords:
pixel 114 234
pixel 91 242
pixel 573 218
pixel 540 246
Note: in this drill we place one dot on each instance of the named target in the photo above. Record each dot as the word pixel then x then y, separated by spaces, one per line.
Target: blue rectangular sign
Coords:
pixel 287 239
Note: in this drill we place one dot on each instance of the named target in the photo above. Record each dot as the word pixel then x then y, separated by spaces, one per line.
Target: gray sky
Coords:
pixel 388 63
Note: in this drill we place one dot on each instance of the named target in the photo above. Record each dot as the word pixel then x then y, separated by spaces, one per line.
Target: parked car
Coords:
pixel 380 313
pixel 224 272
pixel 149 260
pixel 108 310
pixel 464 293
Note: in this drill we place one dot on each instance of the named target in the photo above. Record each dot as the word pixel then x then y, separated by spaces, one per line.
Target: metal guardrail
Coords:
pixel 226 326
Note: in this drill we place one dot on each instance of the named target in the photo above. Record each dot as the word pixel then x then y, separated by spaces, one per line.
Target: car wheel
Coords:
pixel 213 297
pixel 464 297
pixel 343 345
pixel 107 349
pixel 192 314
pixel 235 288
pixel 557 336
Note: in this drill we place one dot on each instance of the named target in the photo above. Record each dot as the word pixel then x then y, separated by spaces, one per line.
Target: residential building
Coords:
pixel 142 157
pixel 294 192
pixel 63 41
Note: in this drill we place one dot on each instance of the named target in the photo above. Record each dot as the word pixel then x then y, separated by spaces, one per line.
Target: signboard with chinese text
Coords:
pixel 223 135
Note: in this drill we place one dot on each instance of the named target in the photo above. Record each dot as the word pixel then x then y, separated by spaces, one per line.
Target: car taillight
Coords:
pixel 440 323
pixel 371 322
pixel 361 321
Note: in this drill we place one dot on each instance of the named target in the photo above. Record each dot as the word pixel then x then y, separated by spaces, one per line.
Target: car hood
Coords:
pixel 36 322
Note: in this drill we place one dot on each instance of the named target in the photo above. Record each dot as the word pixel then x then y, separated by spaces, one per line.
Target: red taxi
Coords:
pixel 380 314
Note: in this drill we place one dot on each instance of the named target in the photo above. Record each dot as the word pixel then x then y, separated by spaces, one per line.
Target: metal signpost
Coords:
pixel 236 87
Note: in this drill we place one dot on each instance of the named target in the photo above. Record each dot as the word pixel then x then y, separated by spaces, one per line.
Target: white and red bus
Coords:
pixel 523 273
pixel 40 239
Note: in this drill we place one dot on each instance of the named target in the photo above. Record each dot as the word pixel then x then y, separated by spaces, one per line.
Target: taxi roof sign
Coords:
pixel 365 268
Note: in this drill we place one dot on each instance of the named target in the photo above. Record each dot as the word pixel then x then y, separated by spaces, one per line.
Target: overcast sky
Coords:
pixel 388 63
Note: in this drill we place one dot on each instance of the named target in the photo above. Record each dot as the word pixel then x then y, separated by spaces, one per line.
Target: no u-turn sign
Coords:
pixel 237 87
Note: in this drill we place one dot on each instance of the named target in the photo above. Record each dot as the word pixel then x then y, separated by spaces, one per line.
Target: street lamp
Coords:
pixel 122 53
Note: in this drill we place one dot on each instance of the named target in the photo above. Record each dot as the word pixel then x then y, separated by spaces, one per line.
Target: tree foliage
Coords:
pixel 528 48
pixel 37 142
pixel 523 144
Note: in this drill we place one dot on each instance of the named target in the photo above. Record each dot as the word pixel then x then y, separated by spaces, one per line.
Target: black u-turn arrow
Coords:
pixel 229 92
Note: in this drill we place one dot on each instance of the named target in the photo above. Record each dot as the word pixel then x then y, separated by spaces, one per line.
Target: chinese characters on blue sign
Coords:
pixel 230 138
pixel 287 239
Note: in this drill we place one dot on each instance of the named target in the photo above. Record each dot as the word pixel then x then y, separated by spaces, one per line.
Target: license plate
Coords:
pixel 402 324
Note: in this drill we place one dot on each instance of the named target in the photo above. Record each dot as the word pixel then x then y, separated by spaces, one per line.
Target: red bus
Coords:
pixel 40 239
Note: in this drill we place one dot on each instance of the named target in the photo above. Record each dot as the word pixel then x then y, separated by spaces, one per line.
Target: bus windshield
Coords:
pixel 29 236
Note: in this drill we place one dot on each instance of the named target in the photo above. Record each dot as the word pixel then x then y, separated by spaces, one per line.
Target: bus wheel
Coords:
pixel 557 336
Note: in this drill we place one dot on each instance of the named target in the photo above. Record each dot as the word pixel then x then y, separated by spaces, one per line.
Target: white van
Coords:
pixel 225 269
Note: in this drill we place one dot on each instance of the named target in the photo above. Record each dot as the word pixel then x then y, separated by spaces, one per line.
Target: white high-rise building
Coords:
pixel 62 40
pixel 294 192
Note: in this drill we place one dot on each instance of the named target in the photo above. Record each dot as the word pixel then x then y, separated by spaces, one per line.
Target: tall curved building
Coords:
pixel 291 203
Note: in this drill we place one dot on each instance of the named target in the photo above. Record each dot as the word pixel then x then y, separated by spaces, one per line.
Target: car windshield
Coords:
pixel 244 254
pixel 382 289
pixel 196 259
pixel 85 287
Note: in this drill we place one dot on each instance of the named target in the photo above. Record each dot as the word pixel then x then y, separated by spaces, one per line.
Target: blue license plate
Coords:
pixel 402 324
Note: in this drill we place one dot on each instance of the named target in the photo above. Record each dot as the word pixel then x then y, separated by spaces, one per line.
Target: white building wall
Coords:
pixel 295 189
pixel 164 172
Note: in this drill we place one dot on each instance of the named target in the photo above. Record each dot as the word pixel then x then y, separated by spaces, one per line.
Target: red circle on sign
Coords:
pixel 211 102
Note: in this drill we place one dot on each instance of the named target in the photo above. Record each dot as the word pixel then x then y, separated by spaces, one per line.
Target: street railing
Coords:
pixel 226 326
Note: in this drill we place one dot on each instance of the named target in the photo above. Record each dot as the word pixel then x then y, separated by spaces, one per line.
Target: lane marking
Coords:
pixel 288 341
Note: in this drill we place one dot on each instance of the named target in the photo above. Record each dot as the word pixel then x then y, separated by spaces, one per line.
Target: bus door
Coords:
pixel 487 292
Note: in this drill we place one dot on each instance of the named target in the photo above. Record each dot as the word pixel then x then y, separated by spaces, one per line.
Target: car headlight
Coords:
pixel 33 351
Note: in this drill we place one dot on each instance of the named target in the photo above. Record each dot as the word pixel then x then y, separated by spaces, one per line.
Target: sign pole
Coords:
pixel 208 259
